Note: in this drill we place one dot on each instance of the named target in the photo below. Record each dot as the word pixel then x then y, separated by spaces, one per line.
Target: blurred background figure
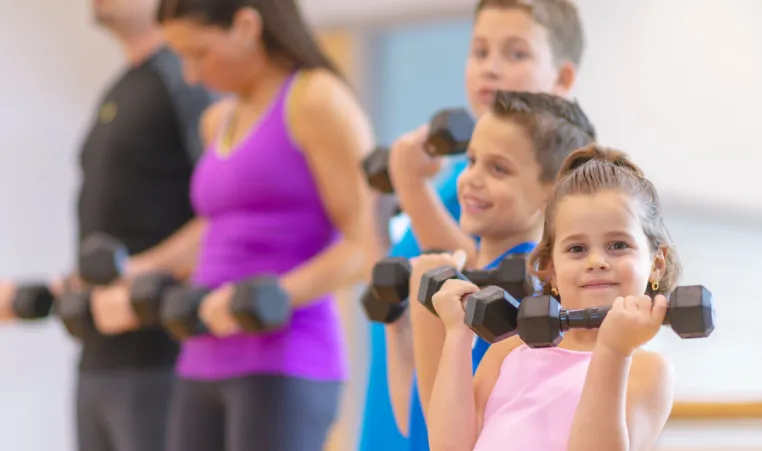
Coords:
pixel 676 83
pixel 135 161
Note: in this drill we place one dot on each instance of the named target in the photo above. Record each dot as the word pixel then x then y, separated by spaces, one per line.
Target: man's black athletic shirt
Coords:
pixel 136 166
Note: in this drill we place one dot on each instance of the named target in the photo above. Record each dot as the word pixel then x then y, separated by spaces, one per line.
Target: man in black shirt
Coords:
pixel 136 166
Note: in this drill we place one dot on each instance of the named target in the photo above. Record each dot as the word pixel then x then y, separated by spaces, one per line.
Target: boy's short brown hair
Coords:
pixel 559 17
pixel 556 126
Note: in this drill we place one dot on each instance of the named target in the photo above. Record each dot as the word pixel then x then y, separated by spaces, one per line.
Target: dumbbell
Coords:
pixel 380 311
pixel 450 131
pixel 32 302
pixel 101 261
pixel 258 304
pixel 540 321
pixel 510 275
pixel 386 298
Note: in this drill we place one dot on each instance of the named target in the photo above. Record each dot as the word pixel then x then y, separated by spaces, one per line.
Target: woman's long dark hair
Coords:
pixel 284 34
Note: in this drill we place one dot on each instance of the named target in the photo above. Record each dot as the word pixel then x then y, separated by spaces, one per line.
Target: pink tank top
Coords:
pixel 534 399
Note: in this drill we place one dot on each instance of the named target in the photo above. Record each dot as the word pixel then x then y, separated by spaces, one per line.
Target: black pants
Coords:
pixel 123 410
pixel 262 412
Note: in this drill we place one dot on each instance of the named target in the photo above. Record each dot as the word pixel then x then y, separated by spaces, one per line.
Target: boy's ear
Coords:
pixel 567 75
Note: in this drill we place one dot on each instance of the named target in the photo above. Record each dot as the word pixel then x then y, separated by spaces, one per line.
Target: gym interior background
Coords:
pixel 673 82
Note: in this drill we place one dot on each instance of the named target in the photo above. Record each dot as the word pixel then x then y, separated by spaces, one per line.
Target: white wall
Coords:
pixel 53 64
pixel 653 89
pixel 718 253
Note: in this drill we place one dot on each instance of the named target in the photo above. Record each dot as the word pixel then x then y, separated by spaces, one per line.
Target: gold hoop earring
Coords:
pixel 553 291
pixel 654 286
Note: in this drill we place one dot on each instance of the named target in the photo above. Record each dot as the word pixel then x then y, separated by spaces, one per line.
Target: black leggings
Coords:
pixel 273 413
pixel 123 410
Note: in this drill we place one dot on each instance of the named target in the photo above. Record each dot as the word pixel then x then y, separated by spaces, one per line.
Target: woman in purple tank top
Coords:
pixel 282 194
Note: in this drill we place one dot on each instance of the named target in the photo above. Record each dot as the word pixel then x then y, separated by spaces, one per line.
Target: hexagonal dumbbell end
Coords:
pixel 260 304
pixel 379 311
pixel 432 281
pixel 74 310
pixel 146 295
pixel 691 312
pixel 179 311
pixel 101 259
pixel 492 313
pixel 376 169
pixel 449 132
pixel 539 323
pixel 390 280
pixel 32 302
pixel 512 276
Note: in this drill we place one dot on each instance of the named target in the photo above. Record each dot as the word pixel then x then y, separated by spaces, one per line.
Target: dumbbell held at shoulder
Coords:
pixel 449 303
pixel 387 298
pixel 417 152
pixel 540 321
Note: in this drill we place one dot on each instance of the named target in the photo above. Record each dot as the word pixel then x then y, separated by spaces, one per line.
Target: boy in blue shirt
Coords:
pixel 516 45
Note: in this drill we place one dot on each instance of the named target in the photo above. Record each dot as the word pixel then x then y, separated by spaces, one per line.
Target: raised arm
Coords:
pixel 457 429
pixel 327 121
pixel 410 169
pixel 400 367
pixel 625 402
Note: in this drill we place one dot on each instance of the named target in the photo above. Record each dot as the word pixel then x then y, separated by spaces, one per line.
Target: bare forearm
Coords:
pixel 177 254
pixel 428 338
pixel 399 371
pixel 342 264
pixel 433 225
pixel 600 421
pixel 452 410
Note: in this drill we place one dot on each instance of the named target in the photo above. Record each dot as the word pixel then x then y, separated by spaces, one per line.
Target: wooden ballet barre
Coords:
pixel 686 410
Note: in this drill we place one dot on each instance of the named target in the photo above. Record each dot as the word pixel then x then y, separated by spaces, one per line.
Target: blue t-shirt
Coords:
pixel 379 430
pixel 419 437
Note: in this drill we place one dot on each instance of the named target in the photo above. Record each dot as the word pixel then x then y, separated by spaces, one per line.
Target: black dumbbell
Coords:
pixel 258 304
pixel 73 307
pixel 387 296
pixel 101 259
pixel 450 131
pixel 146 294
pixel 510 275
pixel 32 301
pixel 432 281
pixel 376 169
pixel 179 311
pixel 542 321
pixel 380 311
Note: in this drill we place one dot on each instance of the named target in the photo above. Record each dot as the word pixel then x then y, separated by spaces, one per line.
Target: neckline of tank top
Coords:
pixel 224 150
pixel 556 349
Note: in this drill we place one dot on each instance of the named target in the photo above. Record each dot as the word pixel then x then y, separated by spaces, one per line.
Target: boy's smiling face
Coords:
pixel 500 192
pixel 510 52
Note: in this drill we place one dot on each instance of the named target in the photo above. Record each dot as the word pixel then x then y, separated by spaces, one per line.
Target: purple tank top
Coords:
pixel 264 215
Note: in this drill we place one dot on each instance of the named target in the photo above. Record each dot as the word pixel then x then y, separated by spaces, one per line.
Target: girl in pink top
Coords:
pixel 604 243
